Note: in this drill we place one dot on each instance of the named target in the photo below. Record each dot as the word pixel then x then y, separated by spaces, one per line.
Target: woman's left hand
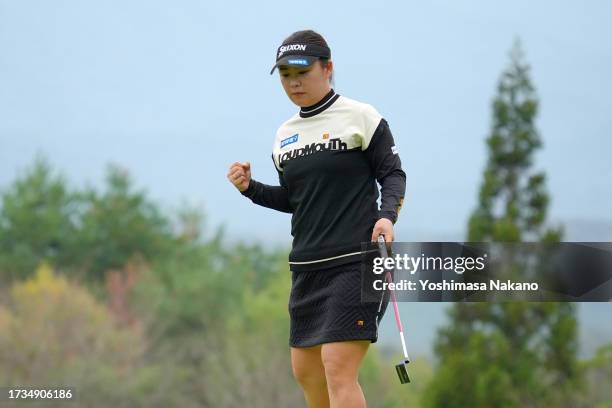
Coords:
pixel 383 226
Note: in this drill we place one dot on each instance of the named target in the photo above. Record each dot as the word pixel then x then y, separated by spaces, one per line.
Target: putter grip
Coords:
pixel 382 247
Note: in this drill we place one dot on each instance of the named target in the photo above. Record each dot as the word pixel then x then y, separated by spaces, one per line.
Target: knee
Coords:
pixel 338 375
pixel 307 377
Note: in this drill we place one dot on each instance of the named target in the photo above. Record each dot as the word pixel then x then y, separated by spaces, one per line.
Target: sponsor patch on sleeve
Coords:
pixel 394 149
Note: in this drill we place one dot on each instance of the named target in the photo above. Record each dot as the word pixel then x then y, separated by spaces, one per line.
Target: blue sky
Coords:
pixel 176 91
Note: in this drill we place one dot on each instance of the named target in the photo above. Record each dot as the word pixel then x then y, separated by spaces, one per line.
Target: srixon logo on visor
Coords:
pixel 292 47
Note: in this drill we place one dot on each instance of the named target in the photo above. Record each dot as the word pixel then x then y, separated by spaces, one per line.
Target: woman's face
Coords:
pixel 306 86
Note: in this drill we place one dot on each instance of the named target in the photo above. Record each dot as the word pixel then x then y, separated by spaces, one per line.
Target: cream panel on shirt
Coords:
pixel 346 124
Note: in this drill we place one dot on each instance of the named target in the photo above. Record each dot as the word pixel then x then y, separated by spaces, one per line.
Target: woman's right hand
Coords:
pixel 239 175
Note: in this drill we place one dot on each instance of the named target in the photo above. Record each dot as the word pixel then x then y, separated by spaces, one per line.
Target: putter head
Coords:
pixel 402 371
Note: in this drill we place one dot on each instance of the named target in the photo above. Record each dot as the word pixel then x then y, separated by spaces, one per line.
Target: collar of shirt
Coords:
pixel 326 102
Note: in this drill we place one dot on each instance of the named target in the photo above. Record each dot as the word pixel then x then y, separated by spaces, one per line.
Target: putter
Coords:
pixel 402 367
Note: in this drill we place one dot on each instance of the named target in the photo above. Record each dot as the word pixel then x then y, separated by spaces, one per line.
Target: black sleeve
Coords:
pixel 387 167
pixel 275 197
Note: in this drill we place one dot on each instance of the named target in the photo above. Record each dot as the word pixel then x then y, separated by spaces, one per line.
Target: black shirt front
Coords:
pixel 329 157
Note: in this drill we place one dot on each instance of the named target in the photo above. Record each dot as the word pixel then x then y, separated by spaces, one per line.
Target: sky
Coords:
pixel 177 91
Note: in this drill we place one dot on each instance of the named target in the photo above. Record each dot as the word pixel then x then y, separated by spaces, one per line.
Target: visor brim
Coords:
pixel 295 61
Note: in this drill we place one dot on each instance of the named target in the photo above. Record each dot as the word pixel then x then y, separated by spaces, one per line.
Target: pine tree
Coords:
pixel 513 202
pixel 515 353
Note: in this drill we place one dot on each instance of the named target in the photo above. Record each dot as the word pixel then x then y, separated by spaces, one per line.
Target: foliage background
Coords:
pixel 114 289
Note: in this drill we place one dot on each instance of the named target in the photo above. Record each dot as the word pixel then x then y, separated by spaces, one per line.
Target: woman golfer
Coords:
pixel 328 156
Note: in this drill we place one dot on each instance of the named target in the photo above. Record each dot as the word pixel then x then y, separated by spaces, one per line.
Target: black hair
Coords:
pixel 310 37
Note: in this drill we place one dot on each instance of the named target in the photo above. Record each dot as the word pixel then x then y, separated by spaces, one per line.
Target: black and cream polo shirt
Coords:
pixel 329 157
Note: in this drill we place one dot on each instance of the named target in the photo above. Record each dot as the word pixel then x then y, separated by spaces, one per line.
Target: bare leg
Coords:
pixel 341 361
pixel 309 372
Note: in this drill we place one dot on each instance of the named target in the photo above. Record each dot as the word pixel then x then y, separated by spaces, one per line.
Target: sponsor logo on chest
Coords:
pixel 314 147
pixel 289 140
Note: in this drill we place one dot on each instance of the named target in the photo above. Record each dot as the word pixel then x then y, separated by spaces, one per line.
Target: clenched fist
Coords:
pixel 239 175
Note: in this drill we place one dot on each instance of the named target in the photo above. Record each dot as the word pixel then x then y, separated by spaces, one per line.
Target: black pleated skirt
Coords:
pixel 325 306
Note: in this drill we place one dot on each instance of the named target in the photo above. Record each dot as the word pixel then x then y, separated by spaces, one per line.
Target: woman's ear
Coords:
pixel 330 68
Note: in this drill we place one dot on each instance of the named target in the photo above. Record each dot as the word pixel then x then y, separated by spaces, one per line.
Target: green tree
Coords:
pixel 118 224
pixel 513 202
pixel 38 221
pixel 82 232
pixel 516 353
